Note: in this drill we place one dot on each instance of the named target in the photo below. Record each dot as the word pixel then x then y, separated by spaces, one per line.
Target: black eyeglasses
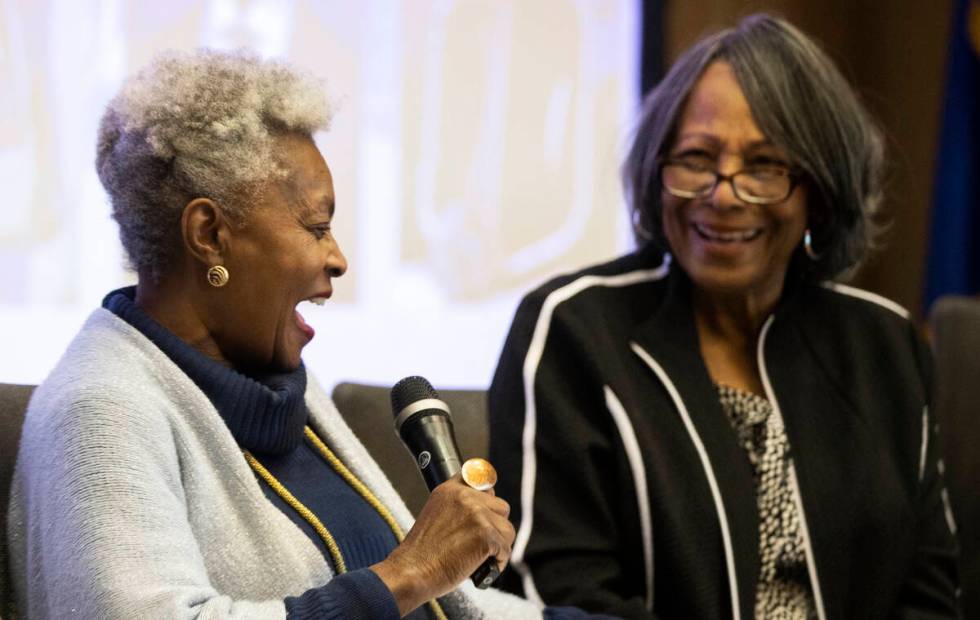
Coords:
pixel 759 185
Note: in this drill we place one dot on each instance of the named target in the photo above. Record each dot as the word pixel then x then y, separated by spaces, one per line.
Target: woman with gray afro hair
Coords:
pixel 180 461
pixel 747 438
pixel 190 125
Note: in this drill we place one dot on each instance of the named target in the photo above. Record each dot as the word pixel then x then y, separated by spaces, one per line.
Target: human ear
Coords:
pixel 205 230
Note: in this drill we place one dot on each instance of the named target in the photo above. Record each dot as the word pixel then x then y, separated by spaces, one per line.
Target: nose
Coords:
pixel 336 262
pixel 723 196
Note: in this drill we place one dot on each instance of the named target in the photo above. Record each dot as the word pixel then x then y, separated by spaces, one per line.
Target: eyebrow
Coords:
pixel 311 209
pixel 714 139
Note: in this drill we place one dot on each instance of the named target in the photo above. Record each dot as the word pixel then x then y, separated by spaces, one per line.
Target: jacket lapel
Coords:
pixel 670 338
pixel 823 433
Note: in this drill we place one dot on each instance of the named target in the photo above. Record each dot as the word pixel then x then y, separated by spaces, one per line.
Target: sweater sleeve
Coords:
pixel 931 586
pixel 99 502
pixel 358 595
pixel 560 467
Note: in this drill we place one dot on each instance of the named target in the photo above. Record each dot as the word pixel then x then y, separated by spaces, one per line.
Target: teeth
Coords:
pixel 317 300
pixel 728 237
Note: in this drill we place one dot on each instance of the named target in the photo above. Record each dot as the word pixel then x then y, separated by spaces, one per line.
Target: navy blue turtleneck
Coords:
pixel 267 414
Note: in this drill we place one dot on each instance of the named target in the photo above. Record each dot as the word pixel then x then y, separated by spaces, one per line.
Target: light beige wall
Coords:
pixel 474 154
pixel 895 55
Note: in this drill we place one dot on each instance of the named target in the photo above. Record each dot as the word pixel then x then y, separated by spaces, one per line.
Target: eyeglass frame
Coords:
pixel 793 175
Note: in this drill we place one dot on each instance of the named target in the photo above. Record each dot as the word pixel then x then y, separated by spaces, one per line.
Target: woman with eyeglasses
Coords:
pixel 712 426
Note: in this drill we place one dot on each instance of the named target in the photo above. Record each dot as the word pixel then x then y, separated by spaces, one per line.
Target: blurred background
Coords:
pixel 475 153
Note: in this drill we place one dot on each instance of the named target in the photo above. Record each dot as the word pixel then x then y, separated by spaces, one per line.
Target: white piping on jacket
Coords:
pixel 635 457
pixel 811 563
pixel 925 443
pixel 726 537
pixel 902 312
pixel 867 296
pixel 530 369
pixel 948 510
pixel 950 521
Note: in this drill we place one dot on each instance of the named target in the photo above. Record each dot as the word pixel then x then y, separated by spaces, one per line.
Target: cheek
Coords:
pixel 295 280
pixel 673 223
pixel 794 223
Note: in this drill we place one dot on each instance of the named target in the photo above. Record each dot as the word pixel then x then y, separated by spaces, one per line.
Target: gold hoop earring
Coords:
pixel 217 276
pixel 808 246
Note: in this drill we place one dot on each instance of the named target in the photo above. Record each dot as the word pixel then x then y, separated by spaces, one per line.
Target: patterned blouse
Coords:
pixel 784 589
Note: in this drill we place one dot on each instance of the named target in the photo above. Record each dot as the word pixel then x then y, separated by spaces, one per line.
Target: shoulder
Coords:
pixel 862 334
pixel 107 421
pixel 858 299
pixel 111 384
pixel 858 314
pixel 599 288
pixel 107 358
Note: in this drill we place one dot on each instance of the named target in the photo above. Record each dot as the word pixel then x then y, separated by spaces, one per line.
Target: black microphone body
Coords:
pixel 425 426
pixel 430 438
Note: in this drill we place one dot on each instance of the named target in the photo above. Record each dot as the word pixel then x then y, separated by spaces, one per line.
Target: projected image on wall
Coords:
pixel 474 149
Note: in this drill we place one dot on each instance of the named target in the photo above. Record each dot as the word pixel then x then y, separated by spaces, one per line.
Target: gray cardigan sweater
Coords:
pixel 131 499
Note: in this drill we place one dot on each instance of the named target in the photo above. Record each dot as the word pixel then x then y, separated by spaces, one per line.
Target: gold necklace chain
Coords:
pixel 306 513
pixel 309 517
pixel 355 484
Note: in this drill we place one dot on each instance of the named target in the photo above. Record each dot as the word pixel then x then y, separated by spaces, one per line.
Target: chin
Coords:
pixel 287 364
pixel 287 353
pixel 726 280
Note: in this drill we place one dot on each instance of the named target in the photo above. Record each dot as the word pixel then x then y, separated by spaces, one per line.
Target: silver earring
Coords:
pixel 638 227
pixel 217 276
pixel 808 246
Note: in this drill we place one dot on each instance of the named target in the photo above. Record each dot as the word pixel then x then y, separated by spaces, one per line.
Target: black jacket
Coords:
pixel 607 429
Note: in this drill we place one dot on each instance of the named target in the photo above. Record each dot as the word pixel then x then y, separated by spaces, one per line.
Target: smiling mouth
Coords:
pixel 726 236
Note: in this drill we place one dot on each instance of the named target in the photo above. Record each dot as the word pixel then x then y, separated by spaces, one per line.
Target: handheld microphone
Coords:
pixel 425 425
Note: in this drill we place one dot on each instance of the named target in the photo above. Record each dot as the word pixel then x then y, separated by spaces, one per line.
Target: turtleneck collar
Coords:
pixel 265 413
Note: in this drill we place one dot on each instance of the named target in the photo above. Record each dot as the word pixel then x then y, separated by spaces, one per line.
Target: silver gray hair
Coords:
pixel 201 124
pixel 804 105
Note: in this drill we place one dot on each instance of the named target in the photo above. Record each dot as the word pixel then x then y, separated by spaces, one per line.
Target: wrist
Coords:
pixel 406 583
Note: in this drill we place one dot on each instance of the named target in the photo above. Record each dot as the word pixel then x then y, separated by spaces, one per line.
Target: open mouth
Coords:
pixel 726 236
pixel 305 327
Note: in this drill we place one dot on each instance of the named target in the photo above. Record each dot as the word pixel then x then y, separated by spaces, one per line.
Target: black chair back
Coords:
pixel 367 410
pixel 955 323
pixel 13 404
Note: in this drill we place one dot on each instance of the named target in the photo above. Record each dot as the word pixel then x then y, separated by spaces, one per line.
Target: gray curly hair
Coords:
pixel 199 124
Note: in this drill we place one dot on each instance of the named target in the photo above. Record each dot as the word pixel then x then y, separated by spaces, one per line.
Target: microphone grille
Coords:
pixel 410 390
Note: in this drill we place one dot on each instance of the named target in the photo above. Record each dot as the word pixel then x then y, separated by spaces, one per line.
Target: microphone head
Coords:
pixel 410 390
pixel 424 423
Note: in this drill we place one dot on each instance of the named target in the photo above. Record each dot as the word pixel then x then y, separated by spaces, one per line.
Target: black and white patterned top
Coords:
pixel 783 590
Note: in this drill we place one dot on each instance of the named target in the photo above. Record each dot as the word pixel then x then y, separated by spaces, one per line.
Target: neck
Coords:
pixel 169 301
pixel 728 327
pixel 736 318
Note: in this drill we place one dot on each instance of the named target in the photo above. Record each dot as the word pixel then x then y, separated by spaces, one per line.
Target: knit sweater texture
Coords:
pixel 266 414
pixel 131 497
